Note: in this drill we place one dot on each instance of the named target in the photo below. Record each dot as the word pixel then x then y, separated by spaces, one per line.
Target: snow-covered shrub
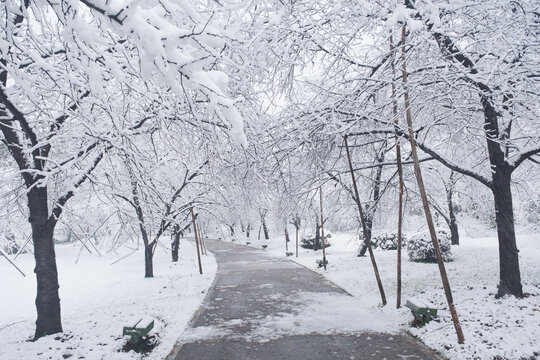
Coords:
pixel 309 242
pixel 386 241
pixel 420 247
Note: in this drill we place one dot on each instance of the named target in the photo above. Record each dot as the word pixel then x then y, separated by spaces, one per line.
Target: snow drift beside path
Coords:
pixel 98 299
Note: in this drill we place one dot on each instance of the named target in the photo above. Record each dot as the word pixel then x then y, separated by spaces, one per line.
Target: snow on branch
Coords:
pixel 526 154
pixel 177 46
pixel 435 155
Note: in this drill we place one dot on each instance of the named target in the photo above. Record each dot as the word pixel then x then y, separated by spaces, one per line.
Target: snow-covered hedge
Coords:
pixel 386 241
pixel 420 247
pixel 309 242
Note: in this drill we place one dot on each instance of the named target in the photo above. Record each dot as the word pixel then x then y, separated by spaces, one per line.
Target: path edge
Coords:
pixel 179 343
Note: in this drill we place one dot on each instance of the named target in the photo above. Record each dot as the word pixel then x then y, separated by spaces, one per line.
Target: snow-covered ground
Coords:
pixel 98 298
pixel 506 328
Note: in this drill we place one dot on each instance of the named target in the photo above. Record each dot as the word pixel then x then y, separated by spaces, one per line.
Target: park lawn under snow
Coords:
pixel 99 298
pixel 506 328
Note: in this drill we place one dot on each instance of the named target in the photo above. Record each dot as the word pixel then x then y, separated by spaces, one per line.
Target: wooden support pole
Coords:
pixel 367 238
pixel 82 242
pixel 199 235
pixel 400 174
pixel 23 247
pixel 11 262
pixel 296 227
pixel 322 229
pixel 196 238
pixel 423 194
pixel 201 238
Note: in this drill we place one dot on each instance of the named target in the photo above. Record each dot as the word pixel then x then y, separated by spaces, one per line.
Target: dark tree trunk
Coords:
pixel 286 239
pixel 317 240
pixel 265 229
pixel 248 229
pixel 510 276
pixel 47 299
pixel 148 261
pixel 296 223
pixel 452 223
pixel 454 234
pixel 364 248
pixel 175 243
pixel 376 194
pixel 231 229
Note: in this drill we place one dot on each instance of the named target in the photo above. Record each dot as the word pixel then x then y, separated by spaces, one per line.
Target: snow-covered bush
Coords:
pixel 386 241
pixel 309 242
pixel 420 247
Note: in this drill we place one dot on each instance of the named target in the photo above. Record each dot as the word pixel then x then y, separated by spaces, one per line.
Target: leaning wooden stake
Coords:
pixel 296 227
pixel 11 262
pixel 322 230
pixel 196 239
pixel 400 175
pixel 364 226
pixel 22 248
pixel 423 195
pixel 201 240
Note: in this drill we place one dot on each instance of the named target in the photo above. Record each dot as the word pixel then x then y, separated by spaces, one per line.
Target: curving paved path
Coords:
pixel 263 307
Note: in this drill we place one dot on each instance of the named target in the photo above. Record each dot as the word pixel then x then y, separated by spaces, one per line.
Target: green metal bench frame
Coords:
pixel 422 311
pixel 136 331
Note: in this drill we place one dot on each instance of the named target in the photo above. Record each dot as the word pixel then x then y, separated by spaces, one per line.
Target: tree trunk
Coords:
pixel 454 233
pixel 175 243
pixel 296 241
pixel 317 240
pixel 510 277
pixel 286 239
pixel 363 249
pixel 296 223
pixel 265 229
pixel 47 299
pixel 248 229
pixel 148 261
pixel 452 223
pixel 376 194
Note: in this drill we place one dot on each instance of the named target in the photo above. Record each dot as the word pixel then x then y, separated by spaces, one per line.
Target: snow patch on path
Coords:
pixel 324 313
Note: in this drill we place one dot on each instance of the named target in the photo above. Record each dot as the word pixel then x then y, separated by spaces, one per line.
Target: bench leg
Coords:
pixel 133 339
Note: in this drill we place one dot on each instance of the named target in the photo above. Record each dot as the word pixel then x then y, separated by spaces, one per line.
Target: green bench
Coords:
pixel 138 329
pixel 422 310
pixel 264 247
pixel 289 253
pixel 320 263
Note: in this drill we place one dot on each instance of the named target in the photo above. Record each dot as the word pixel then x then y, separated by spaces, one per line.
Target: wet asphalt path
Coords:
pixel 263 307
